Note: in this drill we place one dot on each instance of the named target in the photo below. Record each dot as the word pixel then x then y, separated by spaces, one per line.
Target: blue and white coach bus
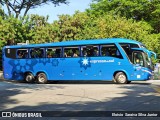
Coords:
pixel 117 59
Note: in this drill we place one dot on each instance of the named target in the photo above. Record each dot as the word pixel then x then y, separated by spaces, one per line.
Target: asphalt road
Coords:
pixel 80 96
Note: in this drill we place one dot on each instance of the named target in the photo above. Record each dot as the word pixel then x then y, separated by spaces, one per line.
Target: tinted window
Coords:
pixel 129 45
pixel 54 52
pixel 138 58
pixel 22 53
pixel 71 52
pixel 90 51
pixel 110 50
pixel 10 52
pixel 127 48
pixel 37 52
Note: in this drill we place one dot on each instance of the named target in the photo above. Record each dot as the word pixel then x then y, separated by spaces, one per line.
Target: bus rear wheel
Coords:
pixel 121 78
pixel 41 78
pixel 29 78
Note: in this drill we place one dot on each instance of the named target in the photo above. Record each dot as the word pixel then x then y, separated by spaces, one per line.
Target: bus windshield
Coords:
pixel 141 58
pixel 149 62
pixel 138 58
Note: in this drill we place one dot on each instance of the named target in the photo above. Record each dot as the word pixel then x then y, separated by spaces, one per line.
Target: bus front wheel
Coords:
pixel 41 78
pixel 121 78
pixel 29 77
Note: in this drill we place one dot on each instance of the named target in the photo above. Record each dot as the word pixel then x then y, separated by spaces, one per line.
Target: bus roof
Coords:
pixel 78 42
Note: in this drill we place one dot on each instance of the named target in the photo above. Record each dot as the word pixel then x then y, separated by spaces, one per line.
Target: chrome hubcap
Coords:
pixel 41 79
pixel 122 79
pixel 28 78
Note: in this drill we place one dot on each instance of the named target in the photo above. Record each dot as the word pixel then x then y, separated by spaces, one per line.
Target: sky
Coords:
pixel 53 11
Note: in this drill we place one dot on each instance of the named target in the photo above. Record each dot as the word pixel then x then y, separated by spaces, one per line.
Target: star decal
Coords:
pixel 84 62
pixel 20 66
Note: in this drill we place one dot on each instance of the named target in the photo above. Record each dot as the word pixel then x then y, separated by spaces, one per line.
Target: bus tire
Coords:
pixel 41 78
pixel 29 78
pixel 121 78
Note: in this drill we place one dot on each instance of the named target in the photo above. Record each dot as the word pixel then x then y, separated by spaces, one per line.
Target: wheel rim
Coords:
pixel 122 78
pixel 41 78
pixel 29 78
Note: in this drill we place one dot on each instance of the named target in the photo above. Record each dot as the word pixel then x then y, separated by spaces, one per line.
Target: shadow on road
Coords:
pixel 137 97
pixel 13 88
pixel 80 82
pixel 93 82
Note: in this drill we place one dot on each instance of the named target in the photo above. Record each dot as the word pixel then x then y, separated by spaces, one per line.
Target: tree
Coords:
pixel 18 5
pixel 147 10
pixel 13 31
pixel 88 26
pixel 71 27
pixel 40 30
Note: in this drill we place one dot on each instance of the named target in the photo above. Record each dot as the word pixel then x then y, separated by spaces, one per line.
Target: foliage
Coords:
pixel 87 26
pixel 72 27
pixel 12 30
pixel 2 13
pixel 40 30
pixel 147 10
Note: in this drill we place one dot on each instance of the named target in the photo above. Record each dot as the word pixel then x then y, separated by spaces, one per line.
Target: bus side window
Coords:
pixel 37 53
pixel 105 51
pixel 50 52
pixel 10 53
pixel 90 51
pixel 76 52
pixel 22 53
pixel 72 51
pixel 110 50
pixel 54 52
pixel 94 51
pixel 84 51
